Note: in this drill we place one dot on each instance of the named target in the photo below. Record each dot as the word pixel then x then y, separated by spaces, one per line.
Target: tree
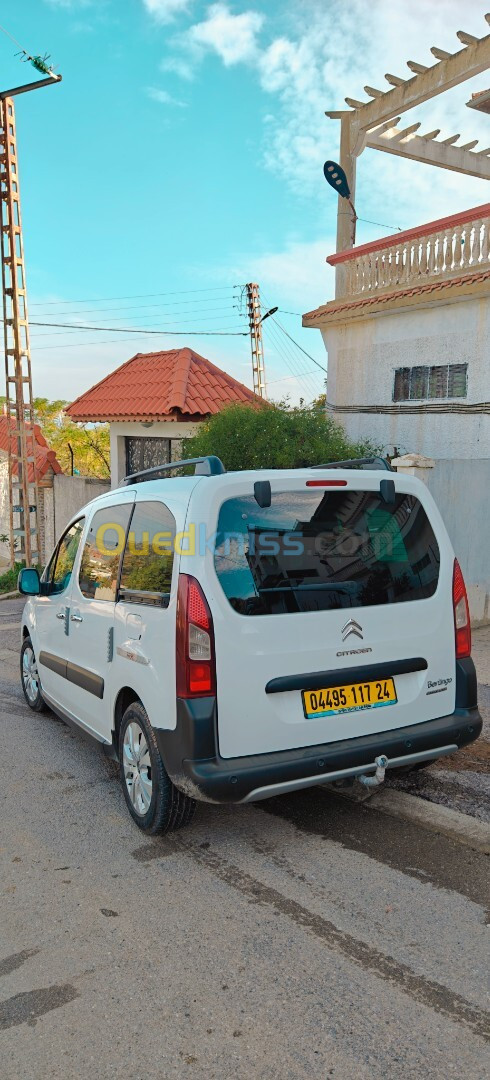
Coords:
pixel 89 442
pixel 274 437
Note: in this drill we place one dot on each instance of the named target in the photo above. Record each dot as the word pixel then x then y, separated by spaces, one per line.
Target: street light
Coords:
pixel 335 176
pixel 266 316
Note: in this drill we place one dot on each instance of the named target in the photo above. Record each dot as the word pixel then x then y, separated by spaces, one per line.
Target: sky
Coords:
pixel 182 156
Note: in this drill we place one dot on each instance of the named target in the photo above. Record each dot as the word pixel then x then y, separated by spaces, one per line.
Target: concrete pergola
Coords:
pixel 374 123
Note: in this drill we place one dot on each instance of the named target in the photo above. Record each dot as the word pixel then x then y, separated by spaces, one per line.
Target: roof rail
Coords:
pixel 358 463
pixel 204 466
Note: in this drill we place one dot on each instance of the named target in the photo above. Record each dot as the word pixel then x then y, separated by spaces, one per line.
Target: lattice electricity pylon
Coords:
pixel 23 489
pixel 255 323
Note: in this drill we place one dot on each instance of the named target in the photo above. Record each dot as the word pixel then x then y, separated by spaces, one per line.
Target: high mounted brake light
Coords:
pixel 462 626
pixel 195 659
pixel 326 483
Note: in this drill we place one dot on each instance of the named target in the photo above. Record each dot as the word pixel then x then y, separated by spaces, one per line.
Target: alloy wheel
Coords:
pixel 30 676
pixel 137 768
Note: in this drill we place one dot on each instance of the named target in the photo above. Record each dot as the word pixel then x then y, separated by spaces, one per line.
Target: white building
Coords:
pixel 408 339
pixel 408 343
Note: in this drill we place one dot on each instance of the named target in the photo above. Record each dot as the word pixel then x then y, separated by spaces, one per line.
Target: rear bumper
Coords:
pixel 192 759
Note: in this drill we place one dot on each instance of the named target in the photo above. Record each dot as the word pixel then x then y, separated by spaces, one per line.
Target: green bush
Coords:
pixel 273 437
pixel 8 581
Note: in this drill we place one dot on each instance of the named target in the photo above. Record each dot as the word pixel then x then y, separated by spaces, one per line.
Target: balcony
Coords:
pixel 440 251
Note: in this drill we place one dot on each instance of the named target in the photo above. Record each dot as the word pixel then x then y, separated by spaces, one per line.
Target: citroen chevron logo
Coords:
pixel 351 627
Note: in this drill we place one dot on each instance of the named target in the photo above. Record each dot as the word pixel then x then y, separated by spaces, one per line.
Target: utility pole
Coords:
pixel 23 488
pixel 255 323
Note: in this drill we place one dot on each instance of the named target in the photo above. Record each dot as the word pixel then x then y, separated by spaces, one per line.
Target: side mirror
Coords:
pixel 28 582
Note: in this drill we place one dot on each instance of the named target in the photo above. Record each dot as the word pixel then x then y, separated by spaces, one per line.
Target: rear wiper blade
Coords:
pixel 345 586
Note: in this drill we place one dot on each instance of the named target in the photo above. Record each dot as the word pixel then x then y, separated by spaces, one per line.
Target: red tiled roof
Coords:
pixel 371 299
pixel 44 456
pixel 174 385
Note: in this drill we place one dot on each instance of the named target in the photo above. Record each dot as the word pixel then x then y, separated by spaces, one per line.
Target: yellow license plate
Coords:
pixel 350 698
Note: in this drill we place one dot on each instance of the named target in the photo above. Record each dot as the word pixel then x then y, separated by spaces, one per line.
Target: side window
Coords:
pixel 58 574
pixel 148 559
pixel 99 566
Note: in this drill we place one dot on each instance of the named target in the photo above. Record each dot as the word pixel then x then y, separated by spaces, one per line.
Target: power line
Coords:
pixel 74 327
pixel 162 333
pixel 312 358
pixel 382 224
pixel 274 320
pixel 291 360
pixel 2 28
pixel 285 378
pixel 140 330
pixel 288 358
pixel 84 344
pixel 143 307
pixel 135 296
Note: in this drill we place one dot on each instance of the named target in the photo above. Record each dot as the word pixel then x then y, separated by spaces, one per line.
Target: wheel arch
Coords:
pixel 124 699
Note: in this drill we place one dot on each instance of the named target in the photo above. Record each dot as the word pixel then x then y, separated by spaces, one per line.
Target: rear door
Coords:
pixel 331 578
pixel 144 631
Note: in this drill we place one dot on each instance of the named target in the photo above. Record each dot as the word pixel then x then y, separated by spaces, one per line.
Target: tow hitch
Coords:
pixel 374 781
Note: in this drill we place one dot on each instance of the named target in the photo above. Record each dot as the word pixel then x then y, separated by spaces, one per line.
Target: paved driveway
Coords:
pixel 304 937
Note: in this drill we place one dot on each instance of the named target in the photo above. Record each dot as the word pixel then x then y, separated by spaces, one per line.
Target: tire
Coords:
pixel 29 677
pixel 153 801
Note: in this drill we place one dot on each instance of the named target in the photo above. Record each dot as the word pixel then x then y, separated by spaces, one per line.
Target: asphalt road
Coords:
pixel 304 937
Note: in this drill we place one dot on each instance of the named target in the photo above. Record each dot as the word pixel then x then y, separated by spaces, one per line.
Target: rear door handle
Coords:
pixel 76 618
pixel 61 615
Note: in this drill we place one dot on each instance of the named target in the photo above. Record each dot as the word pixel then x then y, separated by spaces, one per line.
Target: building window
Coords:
pixel 441 381
pixel 145 452
pixel 458 380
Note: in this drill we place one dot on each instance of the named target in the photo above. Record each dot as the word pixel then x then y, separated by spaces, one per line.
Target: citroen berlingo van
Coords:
pixel 232 636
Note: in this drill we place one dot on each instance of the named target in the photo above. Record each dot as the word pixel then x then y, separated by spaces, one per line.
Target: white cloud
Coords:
pixel 232 37
pixel 335 53
pixel 307 65
pixel 164 98
pixel 165 11
pixel 178 65
pixel 295 277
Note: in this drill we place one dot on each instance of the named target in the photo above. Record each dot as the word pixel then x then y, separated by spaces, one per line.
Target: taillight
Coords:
pixel 462 628
pixel 196 667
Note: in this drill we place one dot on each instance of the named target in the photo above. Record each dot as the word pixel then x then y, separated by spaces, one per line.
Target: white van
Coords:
pixel 232 636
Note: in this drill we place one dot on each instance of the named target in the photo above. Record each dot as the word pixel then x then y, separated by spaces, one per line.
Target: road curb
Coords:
pixel 432 816
pixel 9 595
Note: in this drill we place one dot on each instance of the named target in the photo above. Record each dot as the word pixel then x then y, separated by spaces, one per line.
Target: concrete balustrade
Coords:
pixel 441 250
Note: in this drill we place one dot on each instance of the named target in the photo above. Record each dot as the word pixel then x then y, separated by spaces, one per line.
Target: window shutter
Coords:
pixel 401 387
pixel 419 379
pixel 438 381
pixel 458 380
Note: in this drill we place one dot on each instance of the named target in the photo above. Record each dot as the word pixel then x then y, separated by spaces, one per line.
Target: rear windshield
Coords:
pixel 319 551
